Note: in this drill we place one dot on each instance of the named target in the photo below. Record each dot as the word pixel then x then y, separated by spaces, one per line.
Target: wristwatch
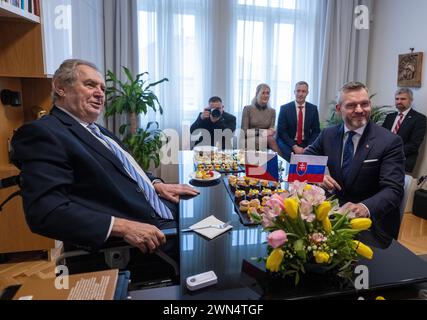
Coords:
pixel 155 181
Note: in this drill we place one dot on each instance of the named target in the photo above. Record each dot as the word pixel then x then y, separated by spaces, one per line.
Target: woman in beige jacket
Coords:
pixel 258 122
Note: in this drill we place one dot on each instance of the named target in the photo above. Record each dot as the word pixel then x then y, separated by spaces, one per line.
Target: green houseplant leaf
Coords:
pixel 134 97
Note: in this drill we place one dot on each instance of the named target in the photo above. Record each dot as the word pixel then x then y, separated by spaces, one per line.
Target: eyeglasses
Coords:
pixel 353 106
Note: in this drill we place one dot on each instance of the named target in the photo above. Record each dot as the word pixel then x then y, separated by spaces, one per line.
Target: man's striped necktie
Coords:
pixel 161 209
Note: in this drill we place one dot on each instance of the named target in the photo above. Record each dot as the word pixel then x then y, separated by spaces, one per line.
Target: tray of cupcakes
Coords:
pixel 250 195
pixel 228 161
pixel 225 167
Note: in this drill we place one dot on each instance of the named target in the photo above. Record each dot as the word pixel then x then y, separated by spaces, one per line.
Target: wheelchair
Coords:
pixel 146 270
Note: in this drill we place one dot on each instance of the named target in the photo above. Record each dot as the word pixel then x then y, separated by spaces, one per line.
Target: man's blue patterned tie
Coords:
pixel 161 209
pixel 348 154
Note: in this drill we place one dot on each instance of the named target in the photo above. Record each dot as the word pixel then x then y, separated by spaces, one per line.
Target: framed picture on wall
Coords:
pixel 410 70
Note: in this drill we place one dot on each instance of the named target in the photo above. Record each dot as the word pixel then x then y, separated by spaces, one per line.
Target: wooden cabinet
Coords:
pixel 21 70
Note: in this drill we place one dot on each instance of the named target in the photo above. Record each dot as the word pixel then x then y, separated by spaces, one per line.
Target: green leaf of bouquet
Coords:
pixel 297 278
pixel 301 225
pixel 351 232
pixel 299 249
pixel 288 226
pixel 339 223
pixel 295 226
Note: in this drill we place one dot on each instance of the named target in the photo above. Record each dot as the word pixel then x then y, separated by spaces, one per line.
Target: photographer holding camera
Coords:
pixel 211 119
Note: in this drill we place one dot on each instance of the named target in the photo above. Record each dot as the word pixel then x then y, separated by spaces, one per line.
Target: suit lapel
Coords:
pixel 335 158
pixel 407 122
pixel 294 114
pixel 88 139
pixel 366 143
pixel 388 123
pixel 307 116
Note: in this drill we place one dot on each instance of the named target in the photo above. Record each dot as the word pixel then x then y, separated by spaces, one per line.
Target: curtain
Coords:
pixel 121 45
pixel 344 51
pixel 65 32
pixel 175 42
pixel 274 43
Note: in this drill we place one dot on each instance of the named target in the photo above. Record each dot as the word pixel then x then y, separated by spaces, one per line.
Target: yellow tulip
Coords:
pixel 361 223
pixel 327 225
pixel 323 210
pixel 321 257
pixel 274 260
pixel 291 207
pixel 363 250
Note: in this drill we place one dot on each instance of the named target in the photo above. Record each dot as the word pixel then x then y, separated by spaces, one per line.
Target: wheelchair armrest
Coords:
pixel 120 244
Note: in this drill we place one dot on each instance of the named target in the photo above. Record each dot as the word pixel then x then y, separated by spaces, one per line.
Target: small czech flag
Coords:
pixel 306 168
pixel 262 165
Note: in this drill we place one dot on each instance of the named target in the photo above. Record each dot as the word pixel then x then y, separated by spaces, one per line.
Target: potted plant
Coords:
pixel 134 97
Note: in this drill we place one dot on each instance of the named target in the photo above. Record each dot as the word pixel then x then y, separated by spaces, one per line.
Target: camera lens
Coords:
pixel 216 113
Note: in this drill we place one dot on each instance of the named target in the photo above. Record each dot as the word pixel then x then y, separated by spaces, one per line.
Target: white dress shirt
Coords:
pixel 303 118
pixel 405 113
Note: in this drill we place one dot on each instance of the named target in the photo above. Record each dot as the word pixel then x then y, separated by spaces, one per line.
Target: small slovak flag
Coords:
pixel 262 165
pixel 307 168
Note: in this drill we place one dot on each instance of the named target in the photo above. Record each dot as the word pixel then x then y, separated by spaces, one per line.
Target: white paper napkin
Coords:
pixel 210 233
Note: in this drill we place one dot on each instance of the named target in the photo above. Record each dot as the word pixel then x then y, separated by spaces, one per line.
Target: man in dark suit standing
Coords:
pixel 409 124
pixel 79 185
pixel 298 125
pixel 365 162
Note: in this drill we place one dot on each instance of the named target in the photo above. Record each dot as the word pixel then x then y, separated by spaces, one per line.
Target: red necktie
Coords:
pixel 299 128
pixel 398 124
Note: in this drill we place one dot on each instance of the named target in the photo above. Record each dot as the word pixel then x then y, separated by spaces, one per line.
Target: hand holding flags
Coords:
pixel 306 168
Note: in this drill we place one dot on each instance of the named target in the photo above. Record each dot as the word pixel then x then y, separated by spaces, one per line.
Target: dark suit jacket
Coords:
pixel 412 132
pixel 72 184
pixel 288 122
pixel 376 176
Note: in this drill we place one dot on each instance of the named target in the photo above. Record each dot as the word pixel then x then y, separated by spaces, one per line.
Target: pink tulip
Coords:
pixel 277 238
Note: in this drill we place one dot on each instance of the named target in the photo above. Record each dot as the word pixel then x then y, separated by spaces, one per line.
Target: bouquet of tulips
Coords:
pixel 306 228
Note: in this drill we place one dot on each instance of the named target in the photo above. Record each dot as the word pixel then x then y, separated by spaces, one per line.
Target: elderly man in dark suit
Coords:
pixel 365 162
pixel 298 125
pixel 409 124
pixel 79 184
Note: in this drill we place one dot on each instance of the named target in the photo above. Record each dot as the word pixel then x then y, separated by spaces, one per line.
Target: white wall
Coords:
pixel 397 26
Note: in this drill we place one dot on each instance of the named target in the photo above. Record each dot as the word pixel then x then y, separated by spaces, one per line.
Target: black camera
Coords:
pixel 215 113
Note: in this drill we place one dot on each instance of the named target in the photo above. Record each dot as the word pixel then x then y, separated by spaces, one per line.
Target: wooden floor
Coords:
pixel 413 234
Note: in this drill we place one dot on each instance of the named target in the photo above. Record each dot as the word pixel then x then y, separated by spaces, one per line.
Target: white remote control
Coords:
pixel 201 280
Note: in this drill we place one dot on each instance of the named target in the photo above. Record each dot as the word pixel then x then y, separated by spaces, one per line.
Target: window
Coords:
pixel 289 4
pixel 264 50
pixel 225 48
pixel 169 47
